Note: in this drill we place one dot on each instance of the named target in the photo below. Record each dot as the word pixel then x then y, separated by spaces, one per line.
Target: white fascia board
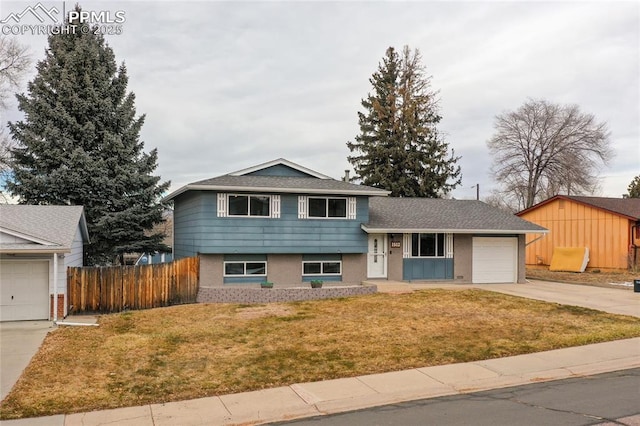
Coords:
pixel 42 250
pixel 369 230
pixel 276 162
pixel 260 189
pixel 26 237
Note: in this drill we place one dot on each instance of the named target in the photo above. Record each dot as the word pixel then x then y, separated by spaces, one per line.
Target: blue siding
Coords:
pixel 327 278
pixel 279 170
pixel 199 230
pixel 187 213
pixel 427 269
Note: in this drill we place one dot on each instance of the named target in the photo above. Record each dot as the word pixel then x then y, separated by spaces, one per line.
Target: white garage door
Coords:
pixel 495 260
pixel 24 290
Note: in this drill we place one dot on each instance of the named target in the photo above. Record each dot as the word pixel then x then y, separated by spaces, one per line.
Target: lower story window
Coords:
pixel 427 245
pixel 322 267
pixel 244 269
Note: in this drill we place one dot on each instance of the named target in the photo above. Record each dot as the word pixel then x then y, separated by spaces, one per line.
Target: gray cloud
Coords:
pixel 226 85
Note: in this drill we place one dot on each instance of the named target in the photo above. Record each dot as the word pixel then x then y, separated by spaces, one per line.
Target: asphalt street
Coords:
pixel 605 399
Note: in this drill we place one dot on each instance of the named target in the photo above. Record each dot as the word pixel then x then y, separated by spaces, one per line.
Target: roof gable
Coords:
pixel 279 176
pixel 279 167
pixel 627 207
pixel 42 227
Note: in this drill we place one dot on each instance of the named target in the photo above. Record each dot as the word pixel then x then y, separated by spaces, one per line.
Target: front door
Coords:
pixel 377 256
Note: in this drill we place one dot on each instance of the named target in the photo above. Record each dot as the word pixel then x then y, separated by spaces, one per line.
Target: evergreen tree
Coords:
pixel 399 148
pixel 634 188
pixel 79 145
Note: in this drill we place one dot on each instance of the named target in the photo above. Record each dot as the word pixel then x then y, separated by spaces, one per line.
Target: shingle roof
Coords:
pixel 625 206
pixel 628 207
pixel 388 214
pixel 279 184
pixel 50 227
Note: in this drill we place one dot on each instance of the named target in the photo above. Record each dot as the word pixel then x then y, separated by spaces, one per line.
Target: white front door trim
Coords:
pixel 377 256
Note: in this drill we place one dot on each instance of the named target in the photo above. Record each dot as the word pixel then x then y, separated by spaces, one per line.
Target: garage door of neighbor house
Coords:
pixel 24 290
pixel 495 260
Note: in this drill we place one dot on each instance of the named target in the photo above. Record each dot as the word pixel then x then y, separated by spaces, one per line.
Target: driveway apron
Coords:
pixel 19 342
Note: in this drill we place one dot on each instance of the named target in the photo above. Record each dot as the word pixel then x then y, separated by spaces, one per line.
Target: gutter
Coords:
pixel 265 189
pixel 369 230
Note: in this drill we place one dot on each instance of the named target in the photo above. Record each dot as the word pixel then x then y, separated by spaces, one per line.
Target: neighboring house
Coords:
pixel 284 223
pixel 166 227
pixel 607 226
pixel 37 244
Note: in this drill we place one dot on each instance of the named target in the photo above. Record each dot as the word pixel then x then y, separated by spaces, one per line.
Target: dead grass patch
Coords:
pixel 594 278
pixel 192 351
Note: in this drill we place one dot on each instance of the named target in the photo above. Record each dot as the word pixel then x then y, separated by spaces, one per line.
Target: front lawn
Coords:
pixel 191 351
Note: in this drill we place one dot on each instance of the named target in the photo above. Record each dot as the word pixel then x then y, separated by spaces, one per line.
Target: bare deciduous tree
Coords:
pixel 544 149
pixel 14 63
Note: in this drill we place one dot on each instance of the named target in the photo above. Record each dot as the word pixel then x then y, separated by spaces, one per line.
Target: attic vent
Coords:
pixel 561 204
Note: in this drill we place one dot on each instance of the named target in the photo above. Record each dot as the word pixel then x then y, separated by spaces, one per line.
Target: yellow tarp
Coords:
pixel 569 259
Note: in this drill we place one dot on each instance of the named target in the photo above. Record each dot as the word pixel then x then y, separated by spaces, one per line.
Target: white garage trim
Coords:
pixel 494 260
pixel 24 289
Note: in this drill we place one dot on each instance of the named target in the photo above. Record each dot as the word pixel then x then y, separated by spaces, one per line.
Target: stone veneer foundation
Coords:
pixel 290 294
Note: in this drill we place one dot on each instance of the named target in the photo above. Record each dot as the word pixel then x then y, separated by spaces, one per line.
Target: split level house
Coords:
pixel 285 223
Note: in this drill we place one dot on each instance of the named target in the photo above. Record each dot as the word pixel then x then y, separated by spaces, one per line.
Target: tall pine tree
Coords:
pixel 399 148
pixel 79 145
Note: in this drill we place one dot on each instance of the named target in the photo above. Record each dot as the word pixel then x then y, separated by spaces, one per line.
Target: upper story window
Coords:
pixel 326 207
pixel 248 205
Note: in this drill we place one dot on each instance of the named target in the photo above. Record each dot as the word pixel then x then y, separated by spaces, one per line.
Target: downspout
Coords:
pixel 55 287
pixel 634 233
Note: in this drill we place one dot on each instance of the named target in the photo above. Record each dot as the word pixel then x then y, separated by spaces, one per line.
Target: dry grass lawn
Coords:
pixel 192 351
pixel 620 279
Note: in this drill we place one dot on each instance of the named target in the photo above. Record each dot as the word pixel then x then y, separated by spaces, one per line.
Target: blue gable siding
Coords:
pixel 279 170
pixel 199 230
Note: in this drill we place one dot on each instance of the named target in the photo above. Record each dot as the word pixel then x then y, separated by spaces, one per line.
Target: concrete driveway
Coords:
pixel 612 300
pixel 19 342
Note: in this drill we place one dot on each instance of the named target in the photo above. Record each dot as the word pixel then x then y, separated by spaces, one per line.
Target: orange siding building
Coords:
pixel 607 226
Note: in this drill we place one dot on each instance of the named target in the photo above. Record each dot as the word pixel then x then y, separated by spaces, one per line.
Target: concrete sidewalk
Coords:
pixel 335 396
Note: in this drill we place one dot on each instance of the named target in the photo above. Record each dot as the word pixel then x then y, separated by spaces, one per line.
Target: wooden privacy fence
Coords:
pixel 118 288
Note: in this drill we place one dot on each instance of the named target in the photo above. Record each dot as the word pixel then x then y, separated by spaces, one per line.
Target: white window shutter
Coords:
pixel 406 246
pixel 222 205
pixel 275 206
pixel 302 207
pixel 448 246
pixel 351 208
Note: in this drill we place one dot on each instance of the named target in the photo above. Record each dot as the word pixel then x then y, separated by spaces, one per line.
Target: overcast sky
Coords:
pixel 227 85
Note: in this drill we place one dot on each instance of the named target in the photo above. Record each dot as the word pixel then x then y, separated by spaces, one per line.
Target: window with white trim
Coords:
pixel 310 207
pixel 320 207
pixel 245 269
pixel 428 245
pixel 248 205
pixel 324 267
